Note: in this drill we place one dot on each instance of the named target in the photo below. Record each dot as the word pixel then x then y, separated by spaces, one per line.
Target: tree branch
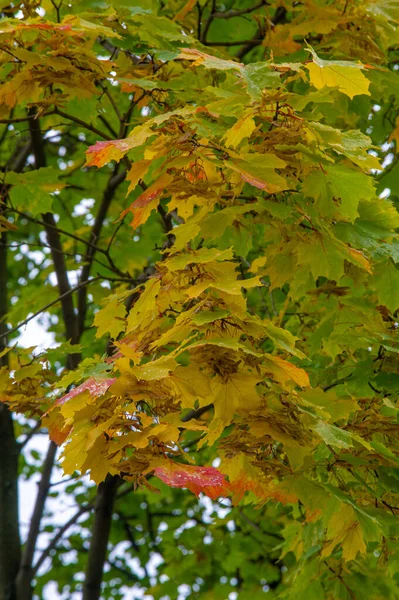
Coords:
pixel 279 17
pixel 58 536
pixel 112 266
pixel 114 181
pixel 53 544
pixel 229 14
pixel 208 22
pixel 25 574
pixel 67 307
pixel 59 299
pixel 100 534
pixel 83 124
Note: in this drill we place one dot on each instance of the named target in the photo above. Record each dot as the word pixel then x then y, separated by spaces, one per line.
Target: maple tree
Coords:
pixel 199 201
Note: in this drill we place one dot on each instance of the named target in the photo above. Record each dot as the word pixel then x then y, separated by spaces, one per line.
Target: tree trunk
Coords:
pixel 100 534
pixel 10 552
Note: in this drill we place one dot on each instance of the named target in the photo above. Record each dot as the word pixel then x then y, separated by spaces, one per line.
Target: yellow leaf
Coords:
pixel 246 477
pixel 348 77
pixel 137 172
pixel 6 225
pixel 145 309
pixel 111 318
pixel 97 461
pixel 283 371
pixel 358 258
pixel 191 384
pixel 242 129
pixel 156 369
pixel 344 529
pixel 228 397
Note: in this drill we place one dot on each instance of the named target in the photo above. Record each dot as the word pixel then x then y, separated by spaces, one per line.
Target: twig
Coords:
pixel 350 592
pixel 30 435
pixel 110 98
pixel 59 299
pixel 239 13
pixel 83 124
pixel 86 508
pixel 74 237
pixel 114 181
pixel 248 43
pixel 108 126
pixel 208 22
pixel 46 553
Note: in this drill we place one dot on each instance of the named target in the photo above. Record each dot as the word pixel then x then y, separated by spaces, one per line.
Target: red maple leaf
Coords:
pixel 196 479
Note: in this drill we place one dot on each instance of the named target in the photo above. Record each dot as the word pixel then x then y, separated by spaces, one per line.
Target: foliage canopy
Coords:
pixel 195 200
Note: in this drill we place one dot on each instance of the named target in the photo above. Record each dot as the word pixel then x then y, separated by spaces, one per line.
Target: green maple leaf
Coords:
pixel 386 278
pixel 338 190
pixel 33 190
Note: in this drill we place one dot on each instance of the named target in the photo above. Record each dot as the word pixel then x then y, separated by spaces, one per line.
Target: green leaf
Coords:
pixel 386 278
pixel 33 191
pixel 338 190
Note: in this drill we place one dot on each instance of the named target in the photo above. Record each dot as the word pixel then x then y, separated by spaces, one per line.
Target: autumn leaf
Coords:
pixel 346 76
pixel 207 480
pixel 94 387
pixel 242 129
pixel 142 207
pixel 344 529
pixel 284 371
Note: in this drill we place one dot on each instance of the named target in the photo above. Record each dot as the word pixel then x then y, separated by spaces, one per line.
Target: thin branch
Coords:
pixel 208 22
pixel 57 8
pixel 110 98
pixel 113 267
pixel 64 528
pixel 67 307
pixel 58 229
pixel 50 304
pixel 113 236
pixel 239 13
pixel 83 124
pixel 15 245
pixel 30 435
pixel 10 552
pixel 129 574
pixel 46 553
pixel 279 17
pixel 108 126
pixel 127 116
pixel 195 414
pixel 248 43
pixel 26 119
pixel 341 579
pixel 114 181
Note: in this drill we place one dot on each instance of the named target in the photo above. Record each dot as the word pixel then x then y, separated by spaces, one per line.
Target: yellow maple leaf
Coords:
pixel 242 129
pixel 137 172
pixel 284 371
pixel 238 392
pixel 346 76
pixel 344 529
pixel 111 318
